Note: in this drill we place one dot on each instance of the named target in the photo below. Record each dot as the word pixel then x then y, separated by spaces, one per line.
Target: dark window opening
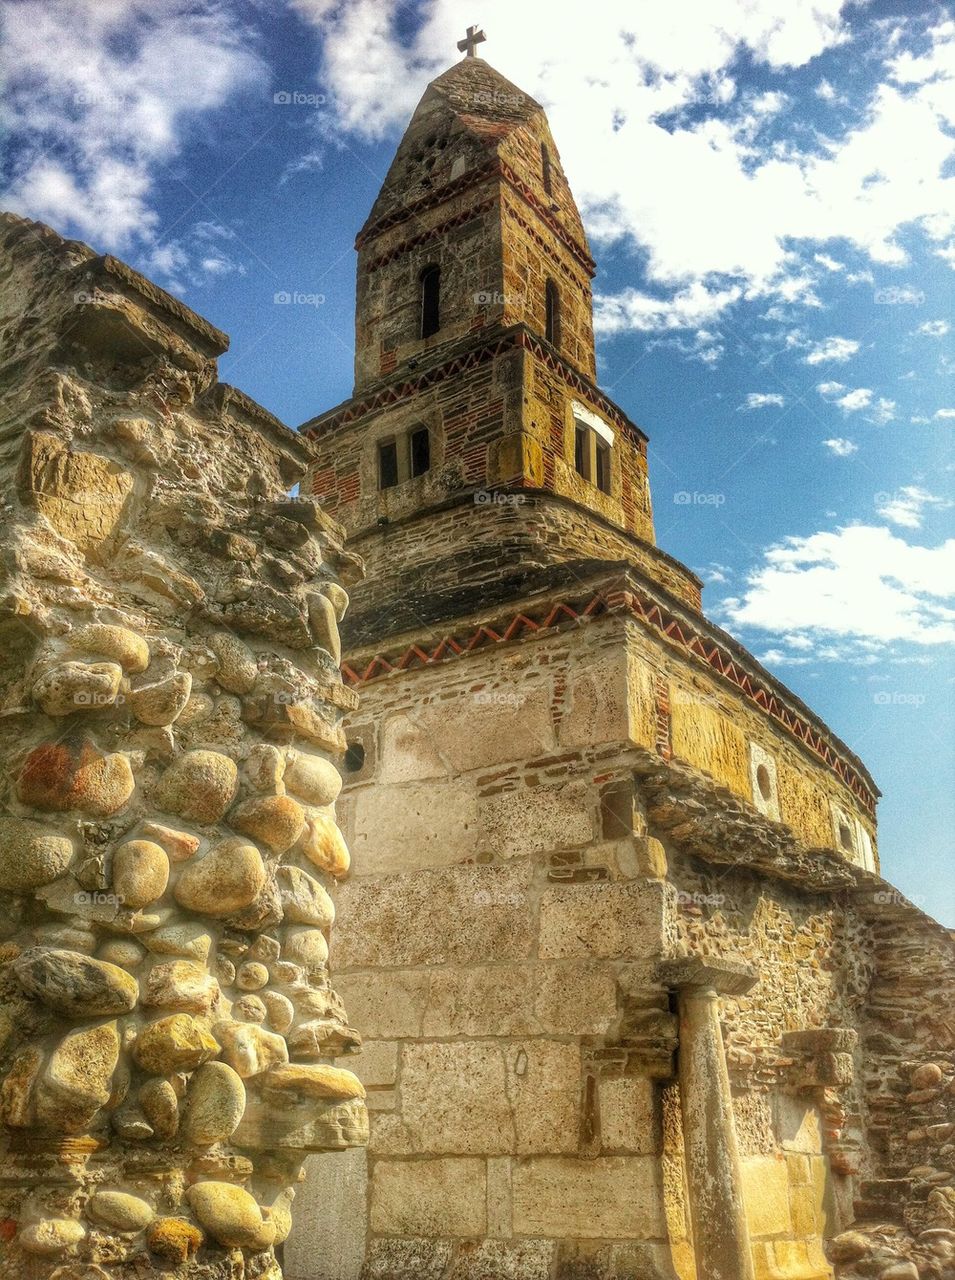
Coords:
pixel 545 169
pixel 552 314
pixel 387 464
pixel 764 782
pixel 430 301
pixel 845 835
pixel 602 478
pixel 420 451
pixel 354 758
pixel 581 452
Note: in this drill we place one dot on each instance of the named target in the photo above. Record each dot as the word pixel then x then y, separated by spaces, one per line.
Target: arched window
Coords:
pixel 545 168
pixel 552 314
pixel 430 300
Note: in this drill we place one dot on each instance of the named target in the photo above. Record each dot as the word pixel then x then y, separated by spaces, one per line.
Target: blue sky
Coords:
pixel 769 188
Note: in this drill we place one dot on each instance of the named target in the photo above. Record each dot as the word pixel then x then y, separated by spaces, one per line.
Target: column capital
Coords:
pixel 689 973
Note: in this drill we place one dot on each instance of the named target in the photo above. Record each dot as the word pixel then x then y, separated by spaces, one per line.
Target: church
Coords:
pixel 401 877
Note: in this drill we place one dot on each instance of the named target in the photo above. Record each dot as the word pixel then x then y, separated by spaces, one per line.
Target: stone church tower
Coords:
pixel 635 1000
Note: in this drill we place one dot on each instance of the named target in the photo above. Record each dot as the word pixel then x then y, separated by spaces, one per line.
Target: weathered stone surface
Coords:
pixel 161 702
pixel 78 1078
pixel 118 644
pixel 30 854
pixel 73 773
pixel 199 786
pixel 187 939
pixel 276 821
pixel 229 877
pixel 324 846
pixel 181 985
pixel 230 1215
pixel 81 494
pixel 140 873
pixel 51 1236
pixel 160 1106
pixel 76 985
pixel 306 946
pixel 250 1049
pixel 431 1198
pixel 214 1105
pixel 237 667
pixel 175 1043
pixel 611 1196
pixel 304 900
pixel 173 1240
pixel 603 919
pixel 78 686
pixel 315 1081
pixel 312 779
pixel 120 1210
pixel 179 845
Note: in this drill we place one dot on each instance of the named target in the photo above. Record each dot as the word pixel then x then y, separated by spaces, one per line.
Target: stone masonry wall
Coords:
pixel 171 719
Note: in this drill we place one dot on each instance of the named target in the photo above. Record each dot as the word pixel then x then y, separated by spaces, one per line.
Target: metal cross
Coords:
pixel 474 37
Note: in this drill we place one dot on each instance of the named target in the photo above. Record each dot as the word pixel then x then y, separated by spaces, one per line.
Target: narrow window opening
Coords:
pixel 354 757
pixel 764 782
pixel 581 451
pixel 845 835
pixel 602 478
pixel 546 169
pixel 420 451
pixel 552 314
pixel 387 464
pixel 430 301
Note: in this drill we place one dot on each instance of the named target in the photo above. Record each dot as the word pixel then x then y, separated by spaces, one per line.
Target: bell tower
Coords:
pixel 476 425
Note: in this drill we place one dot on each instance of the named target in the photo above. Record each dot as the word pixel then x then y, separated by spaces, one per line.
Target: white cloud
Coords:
pixel 861 584
pixel 829 388
pixel 831 264
pixel 841 447
pixel 763 400
pixel 935 328
pixel 945 414
pixel 907 507
pixel 728 214
pixel 883 411
pixel 832 349
pixel 99 95
pixel 853 401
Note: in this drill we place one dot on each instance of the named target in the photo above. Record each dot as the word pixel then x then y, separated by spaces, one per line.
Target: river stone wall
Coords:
pixel 170 718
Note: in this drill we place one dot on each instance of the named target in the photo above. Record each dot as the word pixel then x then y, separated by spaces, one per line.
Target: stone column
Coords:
pixel 713 1173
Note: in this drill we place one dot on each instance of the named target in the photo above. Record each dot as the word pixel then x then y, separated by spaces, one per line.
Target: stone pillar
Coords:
pixel 713 1173
pixel 170 718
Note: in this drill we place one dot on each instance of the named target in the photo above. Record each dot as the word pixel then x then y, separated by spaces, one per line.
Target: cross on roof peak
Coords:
pixel 474 37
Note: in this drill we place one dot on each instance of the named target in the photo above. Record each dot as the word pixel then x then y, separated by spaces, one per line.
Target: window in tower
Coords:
pixel 552 314
pixel 602 458
pixel 430 300
pixel 419 445
pixel 387 464
pixel 581 450
pixel 546 169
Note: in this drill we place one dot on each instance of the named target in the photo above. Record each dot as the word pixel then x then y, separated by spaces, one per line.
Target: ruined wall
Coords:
pixel 171 715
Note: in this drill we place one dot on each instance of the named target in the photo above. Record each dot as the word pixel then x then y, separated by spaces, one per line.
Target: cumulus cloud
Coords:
pixel 855 400
pixel 100 95
pixel 841 447
pixel 935 328
pixel 731 213
pixel 863 584
pixel 945 415
pixel 763 400
pixel 907 506
pixel 832 349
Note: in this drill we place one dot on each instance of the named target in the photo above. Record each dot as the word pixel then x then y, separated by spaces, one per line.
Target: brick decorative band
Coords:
pixel 759 691
pixel 519 336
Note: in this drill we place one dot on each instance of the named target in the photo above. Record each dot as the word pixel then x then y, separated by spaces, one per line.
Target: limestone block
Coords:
pixel 228 878
pixel 602 919
pixel 328 1242
pixel 537 820
pixel 608 1198
pixel 199 786
pixel 78 686
pixel 508 718
pixel 766 1196
pixel 214 1104
pixel 78 1078
pixel 175 1043
pixel 385 1004
pixel 162 701
pixel 628 1120
pixel 408 750
pixel 704 736
pixel 118 644
pixel 596 706
pixel 74 984
pixel 490 1097
pixel 455 915
pixel 377 1064
pixel 81 494
pixel 403 827
pixel 430 1198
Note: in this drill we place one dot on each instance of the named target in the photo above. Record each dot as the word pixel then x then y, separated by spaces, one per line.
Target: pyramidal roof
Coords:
pixel 472 98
